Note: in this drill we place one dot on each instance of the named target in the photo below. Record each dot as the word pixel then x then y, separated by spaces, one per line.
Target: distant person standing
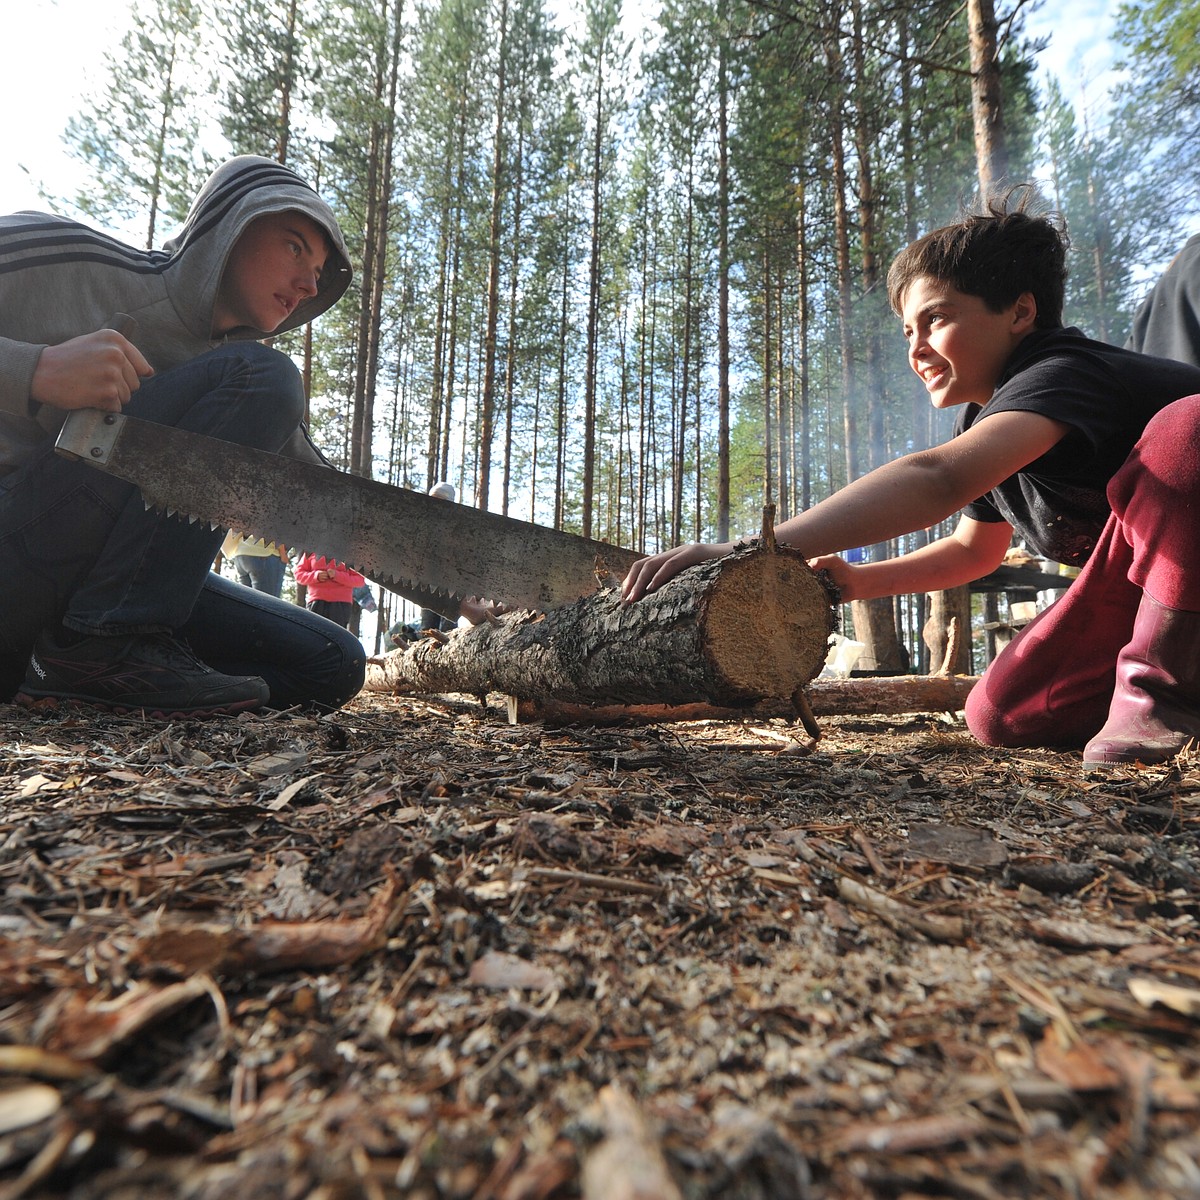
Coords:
pixel 259 565
pixel 330 587
pixel 429 618
pixel 472 608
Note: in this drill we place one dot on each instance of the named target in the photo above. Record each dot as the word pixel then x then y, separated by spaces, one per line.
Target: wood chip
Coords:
pixel 496 969
pixel 27 1104
pixel 958 845
pixel 628 1163
pixel 903 1137
pixel 1152 991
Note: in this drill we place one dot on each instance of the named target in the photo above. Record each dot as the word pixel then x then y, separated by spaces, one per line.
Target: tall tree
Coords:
pixel 267 72
pixel 874 622
pixel 681 67
pixel 723 103
pixel 987 95
pixel 140 135
pixel 445 175
pixel 1153 130
pixel 492 301
pixel 602 55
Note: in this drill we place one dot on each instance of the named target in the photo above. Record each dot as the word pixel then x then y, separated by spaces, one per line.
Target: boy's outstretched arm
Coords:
pixel 974 549
pixel 649 574
pixel 907 494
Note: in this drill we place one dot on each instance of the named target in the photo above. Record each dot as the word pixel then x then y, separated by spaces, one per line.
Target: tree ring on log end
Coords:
pixel 767 624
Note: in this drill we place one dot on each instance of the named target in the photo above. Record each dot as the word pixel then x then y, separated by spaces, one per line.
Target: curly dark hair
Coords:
pixel 1011 244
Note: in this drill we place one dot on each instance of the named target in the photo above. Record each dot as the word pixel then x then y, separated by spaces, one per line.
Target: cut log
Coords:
pixel 751 626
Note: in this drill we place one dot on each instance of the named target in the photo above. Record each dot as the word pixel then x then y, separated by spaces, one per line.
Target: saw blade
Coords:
pixel 401 538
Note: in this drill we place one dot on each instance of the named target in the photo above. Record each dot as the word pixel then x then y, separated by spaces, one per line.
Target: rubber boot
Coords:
pixel 1155 709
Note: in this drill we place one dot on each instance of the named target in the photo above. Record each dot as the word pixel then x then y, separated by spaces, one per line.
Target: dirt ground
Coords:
pixel 410 950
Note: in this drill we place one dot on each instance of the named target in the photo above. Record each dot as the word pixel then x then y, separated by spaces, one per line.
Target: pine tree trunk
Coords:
pixel 944 608
pixel 723 269
pixel 987 94
pixel 751 626
pixel 593 310
pixel 487 400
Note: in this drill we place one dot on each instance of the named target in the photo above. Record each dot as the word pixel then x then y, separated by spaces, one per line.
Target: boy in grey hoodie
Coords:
pixel 105 602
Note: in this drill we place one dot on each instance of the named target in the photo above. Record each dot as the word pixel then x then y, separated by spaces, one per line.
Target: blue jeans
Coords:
pixel 80 547
pixel 263 572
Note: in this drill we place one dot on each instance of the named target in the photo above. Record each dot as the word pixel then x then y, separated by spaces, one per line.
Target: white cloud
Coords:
pixel 55 50
pixel 1079 51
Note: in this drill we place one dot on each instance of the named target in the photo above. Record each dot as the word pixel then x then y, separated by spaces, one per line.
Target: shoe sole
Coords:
pixel 50 703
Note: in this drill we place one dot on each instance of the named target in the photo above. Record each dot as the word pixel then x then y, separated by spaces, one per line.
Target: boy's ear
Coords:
pixel 1024 313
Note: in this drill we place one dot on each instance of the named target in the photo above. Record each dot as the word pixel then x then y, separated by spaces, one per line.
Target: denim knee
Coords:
pixel 331 675
pixel 240 392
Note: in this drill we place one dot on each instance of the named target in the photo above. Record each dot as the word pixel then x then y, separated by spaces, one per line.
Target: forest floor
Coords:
pixel 410 950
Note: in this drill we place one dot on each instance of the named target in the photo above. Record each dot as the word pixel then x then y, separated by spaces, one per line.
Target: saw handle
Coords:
pixel 91 432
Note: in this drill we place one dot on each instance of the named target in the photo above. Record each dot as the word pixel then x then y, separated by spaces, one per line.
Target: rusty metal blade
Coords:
pixel 403 539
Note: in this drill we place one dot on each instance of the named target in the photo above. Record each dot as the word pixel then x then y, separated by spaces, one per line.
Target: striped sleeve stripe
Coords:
pixel 81 256
pixel 46 243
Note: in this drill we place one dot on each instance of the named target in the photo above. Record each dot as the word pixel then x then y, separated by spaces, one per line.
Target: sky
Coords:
pixel 60 47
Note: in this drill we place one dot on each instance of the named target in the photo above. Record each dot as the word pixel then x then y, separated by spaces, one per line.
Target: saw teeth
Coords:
pixel 408 585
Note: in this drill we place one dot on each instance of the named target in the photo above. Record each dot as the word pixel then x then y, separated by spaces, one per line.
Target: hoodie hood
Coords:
pixel 237 193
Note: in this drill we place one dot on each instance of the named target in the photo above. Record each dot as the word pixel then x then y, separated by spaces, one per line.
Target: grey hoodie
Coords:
pixel 60 279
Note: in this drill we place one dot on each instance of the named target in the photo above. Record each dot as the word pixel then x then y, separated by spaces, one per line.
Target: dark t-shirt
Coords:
pixel 1106 394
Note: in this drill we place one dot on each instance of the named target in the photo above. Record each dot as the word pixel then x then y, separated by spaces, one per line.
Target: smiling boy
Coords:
pixel 1084 450
pixel 104 602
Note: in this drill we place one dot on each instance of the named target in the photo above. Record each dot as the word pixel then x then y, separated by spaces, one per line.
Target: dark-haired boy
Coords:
pixel 1086 451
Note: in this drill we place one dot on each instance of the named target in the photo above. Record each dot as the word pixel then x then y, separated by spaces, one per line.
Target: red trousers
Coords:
pixel 1052 684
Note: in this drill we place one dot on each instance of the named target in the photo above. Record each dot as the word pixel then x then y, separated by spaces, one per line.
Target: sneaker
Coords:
pixel 149 673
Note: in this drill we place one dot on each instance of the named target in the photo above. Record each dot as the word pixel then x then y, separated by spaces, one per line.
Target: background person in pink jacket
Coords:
pixel 330 587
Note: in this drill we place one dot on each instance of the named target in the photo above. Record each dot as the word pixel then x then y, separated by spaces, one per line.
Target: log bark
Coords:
pixel 751 626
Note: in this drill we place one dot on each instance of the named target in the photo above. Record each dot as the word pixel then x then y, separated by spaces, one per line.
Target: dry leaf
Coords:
pixel 1150 992
pixel 27 1104
pixel 498 970
pixel 672 841
pixel 1080 1067
pixel 90 1031
pixel 628 1164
